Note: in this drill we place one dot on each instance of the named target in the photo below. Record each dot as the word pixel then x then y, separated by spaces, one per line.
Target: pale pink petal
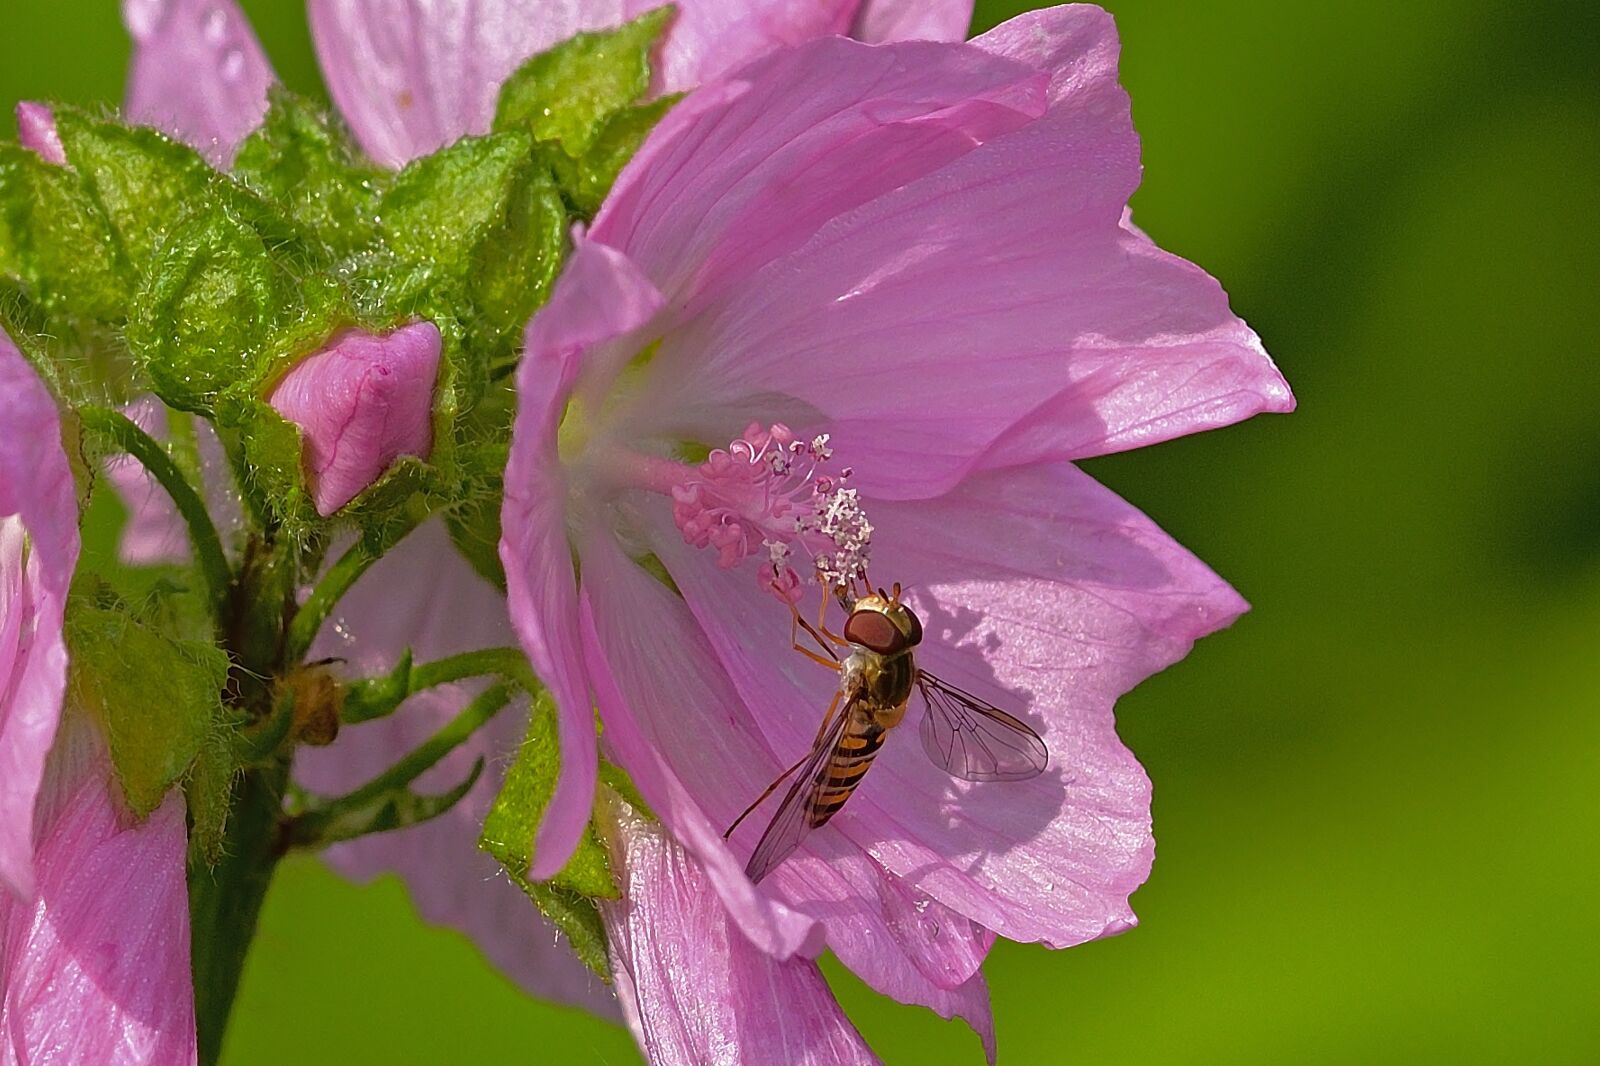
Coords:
pixel 751 168
pixel 1044 593
pixel 899 941
pixel 415 75
pixel 912 20
pixel 1005 275
pixel 361 402
pixel 153 533
pixel 670 721
pixel 597 303
pixel 38 552
pixel 197 72
pixel 423 596
pixel 697 993
pixel 95 969
pixel 36 131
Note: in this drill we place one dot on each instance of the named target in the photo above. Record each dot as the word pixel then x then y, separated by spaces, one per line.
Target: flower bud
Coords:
pixel 360 403
pixel 36 131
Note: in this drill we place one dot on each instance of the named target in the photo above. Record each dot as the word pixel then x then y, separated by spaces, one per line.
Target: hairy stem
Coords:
pixel 121 431
pixel 225 901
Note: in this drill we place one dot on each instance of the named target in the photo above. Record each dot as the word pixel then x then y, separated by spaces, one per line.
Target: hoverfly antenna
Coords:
pixel 895 593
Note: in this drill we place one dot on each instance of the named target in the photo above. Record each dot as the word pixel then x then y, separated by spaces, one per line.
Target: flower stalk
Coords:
pixel 121 431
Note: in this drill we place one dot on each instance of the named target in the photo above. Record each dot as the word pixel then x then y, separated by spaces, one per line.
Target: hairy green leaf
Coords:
pixel 567 93
pixel 587 178
pixel 159 699
pixel 299 160
pixel 54 238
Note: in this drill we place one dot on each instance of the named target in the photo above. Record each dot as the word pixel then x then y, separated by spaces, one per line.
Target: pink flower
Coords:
pixel 925 268
pixel 409 78
pixel 38 551
pixel 94 918
pixel 360 403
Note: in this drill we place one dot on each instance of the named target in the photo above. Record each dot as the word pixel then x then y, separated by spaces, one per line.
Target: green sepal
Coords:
pixel 268 464
pixel 586 179
pixel 474 520
pixel 513 819
pixel 202 319
pixel 577 917
pixel 159 699
pixel 146 183
pixel 567 93
pixel 475 231
pixel 55 239
pixel 301 161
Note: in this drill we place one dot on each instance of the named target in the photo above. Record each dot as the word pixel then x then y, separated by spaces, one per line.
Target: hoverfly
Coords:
pixel 962 734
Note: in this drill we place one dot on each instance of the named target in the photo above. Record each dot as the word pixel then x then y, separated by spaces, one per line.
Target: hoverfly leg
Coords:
pixel 781 778
pixel 795 625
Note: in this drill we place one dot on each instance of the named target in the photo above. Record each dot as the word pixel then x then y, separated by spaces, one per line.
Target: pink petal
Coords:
pixel 952 307
pixel 153 532
pixel 750 169
pixel 596 305
pixel 36 131
pixel 1044 593
pixel 898 941
pixel 424 596
pixel 197 72
pixel 96 968
pixel 912 20
pixel 38 552
pixel 414 76
pixel 697 993
pixel 361 402
pixel 655 681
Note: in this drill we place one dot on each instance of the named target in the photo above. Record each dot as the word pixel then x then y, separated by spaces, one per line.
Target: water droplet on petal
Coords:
pixel 214 27
pixel 143 16
pixel 930 928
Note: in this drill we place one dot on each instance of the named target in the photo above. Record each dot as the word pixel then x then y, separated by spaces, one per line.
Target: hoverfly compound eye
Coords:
pixel 913 626
pixel 874 631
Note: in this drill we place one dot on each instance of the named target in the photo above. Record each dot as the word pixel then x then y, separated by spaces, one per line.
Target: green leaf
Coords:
pixel 160 699
pixel 586 179
pixel 300 161
pixel 567 93
pixel 474 233
pixel 513 820
pixel 209 791
pixel 143 181
pixel 204 314
pixel 54 237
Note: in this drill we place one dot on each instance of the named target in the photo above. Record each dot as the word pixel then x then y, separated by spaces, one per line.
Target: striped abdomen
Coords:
pixel 857 747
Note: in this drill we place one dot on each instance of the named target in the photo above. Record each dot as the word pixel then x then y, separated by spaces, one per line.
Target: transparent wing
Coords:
pixel 793 820
pixel 975 740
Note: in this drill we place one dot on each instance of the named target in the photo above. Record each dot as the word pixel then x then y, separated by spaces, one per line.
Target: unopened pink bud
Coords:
pixel 36 131
pixel 361 403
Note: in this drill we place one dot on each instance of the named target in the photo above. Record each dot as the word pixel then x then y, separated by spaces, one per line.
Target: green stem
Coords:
pixel 344 573
pixel 128 437
pixel 333 818
pixel 225 901
pixel 377 697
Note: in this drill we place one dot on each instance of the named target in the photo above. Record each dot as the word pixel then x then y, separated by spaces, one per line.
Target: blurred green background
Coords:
pixel 1378 796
